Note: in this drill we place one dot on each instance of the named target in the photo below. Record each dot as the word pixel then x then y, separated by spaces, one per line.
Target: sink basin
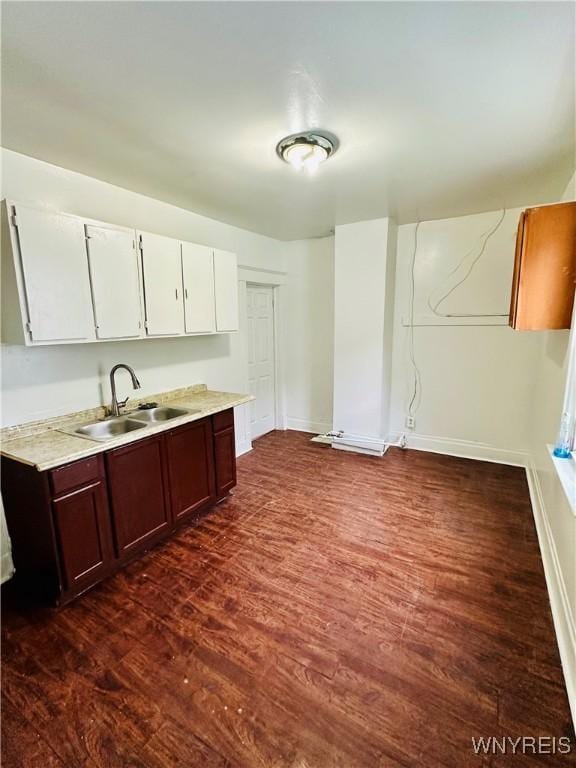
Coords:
pixel 120 425
pixel 105 430
pixel 162 413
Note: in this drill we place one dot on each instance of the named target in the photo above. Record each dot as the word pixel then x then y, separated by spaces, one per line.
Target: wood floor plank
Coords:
pixel 338 611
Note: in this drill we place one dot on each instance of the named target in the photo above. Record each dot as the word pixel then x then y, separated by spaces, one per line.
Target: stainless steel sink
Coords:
pixel 162 413
pixel 121 425
pixel 106 430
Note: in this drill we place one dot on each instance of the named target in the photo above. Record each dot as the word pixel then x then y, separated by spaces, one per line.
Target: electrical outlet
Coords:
pixel 410 422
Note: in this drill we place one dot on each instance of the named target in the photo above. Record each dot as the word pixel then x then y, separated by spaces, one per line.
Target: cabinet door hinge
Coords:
pixel 14 220
pixel 29 327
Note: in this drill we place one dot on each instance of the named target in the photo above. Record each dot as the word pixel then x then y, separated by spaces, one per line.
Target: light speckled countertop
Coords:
pixel 43 446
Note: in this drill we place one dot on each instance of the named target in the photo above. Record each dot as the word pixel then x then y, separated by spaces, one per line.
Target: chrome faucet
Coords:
pixel 115 408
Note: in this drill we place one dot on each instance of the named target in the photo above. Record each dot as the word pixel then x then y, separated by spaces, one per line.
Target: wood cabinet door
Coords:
pixel 162 271
pixel 198 277
pixel 189 454
pixel 82 523
pixel 56 277
pixel 138 495
pixel 115 281
pixel 225 461
pixel 226 290
pixel 545 268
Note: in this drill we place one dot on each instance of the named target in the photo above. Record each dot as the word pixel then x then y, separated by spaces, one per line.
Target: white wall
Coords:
pixel 47 381
pixel 309 334
pixel 362 375
pixel 555 517
pixel 475 379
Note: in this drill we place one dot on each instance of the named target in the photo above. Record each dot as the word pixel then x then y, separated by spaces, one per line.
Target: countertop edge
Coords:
pixel 95 448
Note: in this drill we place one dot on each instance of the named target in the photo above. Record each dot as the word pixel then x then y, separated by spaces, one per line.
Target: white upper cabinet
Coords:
pixel 226 285
pixel 69 279
pixel 162 272
pixel 115 277
pixel 55 276
pixel 198 281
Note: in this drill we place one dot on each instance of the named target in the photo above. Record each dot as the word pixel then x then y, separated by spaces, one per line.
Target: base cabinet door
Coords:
pixel 225 461
pixel 82 524
pixel 138 495
pixel 190 463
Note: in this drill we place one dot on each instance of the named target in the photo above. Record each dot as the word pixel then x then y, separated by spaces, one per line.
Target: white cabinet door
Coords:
pixel 115 280
pixel 162 269
pixel 198 277
pixel 226 287
pixel 56 277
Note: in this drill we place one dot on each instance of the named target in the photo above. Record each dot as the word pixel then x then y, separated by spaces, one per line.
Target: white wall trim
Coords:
pixel 244 447
pixel 261 276
pixel 279 360
pixel 564 621
pixel 314 427
pixel 465 449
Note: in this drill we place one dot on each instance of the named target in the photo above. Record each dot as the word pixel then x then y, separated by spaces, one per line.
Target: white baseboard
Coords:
pixel 315 427
pixel 242 448
pixel 564 620
pixel 466 449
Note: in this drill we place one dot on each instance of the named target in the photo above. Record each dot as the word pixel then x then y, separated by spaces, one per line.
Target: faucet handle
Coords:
pixel 122 403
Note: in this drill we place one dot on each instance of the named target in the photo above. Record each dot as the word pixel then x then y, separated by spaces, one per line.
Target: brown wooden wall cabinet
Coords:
pixel 74 525
pixel 544 269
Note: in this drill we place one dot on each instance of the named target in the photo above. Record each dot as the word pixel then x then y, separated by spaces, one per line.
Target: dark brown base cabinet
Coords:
pixel 137 483
pixel 74 525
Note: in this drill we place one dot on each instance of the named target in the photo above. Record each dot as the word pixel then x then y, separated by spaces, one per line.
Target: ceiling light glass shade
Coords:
pixel 306 150
pixel 307 156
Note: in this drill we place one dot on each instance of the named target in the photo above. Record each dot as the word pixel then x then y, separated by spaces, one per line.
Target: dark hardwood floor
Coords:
pixel 338 610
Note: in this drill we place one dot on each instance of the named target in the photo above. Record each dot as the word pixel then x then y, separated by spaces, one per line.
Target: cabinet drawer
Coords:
pixel 223 420
pixel 74 475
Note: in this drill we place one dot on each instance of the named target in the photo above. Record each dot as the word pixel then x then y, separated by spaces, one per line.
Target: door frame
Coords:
pixel 275 280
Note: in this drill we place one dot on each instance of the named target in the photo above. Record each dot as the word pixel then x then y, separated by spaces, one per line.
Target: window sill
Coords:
pixel 566 471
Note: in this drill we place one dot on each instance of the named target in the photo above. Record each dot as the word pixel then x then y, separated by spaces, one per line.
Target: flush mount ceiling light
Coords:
pixel 307 150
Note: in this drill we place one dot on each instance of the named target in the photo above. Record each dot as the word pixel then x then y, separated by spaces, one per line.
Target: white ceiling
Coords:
pixel 442 109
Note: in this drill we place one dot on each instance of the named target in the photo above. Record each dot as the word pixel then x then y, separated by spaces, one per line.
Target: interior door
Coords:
pixel 226 288
pixel 115 280
pixel 261 362
pixel 198 279
pixel 162 268
pixel 56 276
